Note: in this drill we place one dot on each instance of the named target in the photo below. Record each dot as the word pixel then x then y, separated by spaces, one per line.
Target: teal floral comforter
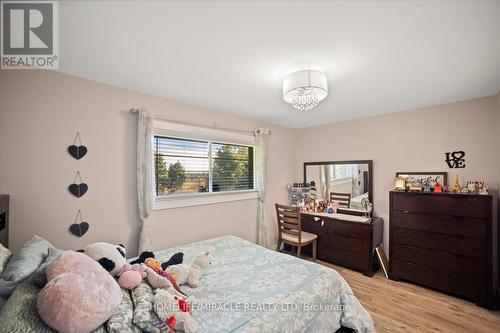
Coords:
pixel 247 289
pixel 252 289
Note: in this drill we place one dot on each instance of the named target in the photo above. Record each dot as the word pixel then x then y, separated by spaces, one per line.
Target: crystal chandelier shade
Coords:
pixel 305 89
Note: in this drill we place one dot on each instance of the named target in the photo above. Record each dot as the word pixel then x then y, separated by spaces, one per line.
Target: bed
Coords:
pixel 247 289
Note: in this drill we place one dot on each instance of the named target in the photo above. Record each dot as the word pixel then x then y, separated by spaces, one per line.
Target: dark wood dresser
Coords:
pixel 443 241
pixel 345 243
pixel 4 220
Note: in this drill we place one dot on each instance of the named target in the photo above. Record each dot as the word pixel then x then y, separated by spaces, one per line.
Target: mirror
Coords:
pixel 347 182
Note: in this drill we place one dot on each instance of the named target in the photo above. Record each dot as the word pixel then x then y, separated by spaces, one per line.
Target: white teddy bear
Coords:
pixel 191 274
pixel 174 312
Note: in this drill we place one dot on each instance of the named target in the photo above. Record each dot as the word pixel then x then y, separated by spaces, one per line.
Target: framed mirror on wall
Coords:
pixel 347 182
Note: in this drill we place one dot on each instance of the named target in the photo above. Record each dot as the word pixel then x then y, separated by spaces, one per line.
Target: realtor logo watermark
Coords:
pixel 30 36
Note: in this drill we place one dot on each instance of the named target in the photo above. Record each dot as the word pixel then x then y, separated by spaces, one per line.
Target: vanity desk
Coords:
pixel 345 240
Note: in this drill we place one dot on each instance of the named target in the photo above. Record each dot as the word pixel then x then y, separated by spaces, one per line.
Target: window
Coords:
pixel 184 166
pixel 341 171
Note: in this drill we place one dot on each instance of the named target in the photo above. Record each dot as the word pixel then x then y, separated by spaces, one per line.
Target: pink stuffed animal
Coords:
pixel 131 276
pixel 80 294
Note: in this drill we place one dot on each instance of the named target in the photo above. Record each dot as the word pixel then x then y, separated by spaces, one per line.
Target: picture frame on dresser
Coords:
pixel 423 175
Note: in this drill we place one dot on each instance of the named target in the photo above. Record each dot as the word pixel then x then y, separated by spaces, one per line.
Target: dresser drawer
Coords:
pixel 450 262
pixel 452 225
pixel 348 229
pixel 352 259
pixel 336 242
pixel 433 204
pixel 435 241
pixel 310 225
pixel 463 285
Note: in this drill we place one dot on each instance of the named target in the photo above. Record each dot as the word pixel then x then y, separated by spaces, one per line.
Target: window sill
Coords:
pixel 202 199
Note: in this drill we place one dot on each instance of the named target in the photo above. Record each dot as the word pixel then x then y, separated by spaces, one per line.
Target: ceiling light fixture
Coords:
pixel 305 89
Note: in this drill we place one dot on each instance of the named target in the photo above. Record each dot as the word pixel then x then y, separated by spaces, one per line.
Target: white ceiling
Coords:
pixel 379 56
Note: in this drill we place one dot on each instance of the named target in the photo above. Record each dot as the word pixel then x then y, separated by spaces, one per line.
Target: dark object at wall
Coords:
pixel 80 227
pixel 4 220
pixel 77 151
pixel 382 260
pixel 455 160
pixel 78 189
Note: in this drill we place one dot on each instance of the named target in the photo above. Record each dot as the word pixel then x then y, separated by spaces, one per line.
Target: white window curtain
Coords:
pixel 356 188
pixel 325 181
pixel 144 176
pixel 263 228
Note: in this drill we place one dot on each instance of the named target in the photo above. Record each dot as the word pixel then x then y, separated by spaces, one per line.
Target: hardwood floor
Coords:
pixel 404 307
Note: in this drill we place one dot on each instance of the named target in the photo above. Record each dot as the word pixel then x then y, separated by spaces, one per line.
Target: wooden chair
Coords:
pixel 344 199
pixel 289 229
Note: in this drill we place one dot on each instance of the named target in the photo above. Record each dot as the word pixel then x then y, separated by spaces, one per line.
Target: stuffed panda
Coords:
pixel 111 257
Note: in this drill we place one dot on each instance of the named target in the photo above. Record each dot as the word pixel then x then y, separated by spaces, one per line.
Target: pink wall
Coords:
pixel 413 140
pixel 40 113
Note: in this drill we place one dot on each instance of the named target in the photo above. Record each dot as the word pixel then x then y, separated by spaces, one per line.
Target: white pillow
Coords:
pixel 22 263
pixel 4 257
pixel 26 259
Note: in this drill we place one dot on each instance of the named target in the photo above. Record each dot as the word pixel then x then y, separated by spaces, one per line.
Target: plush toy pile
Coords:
pixel 80 294
pixel 113 259
pixel 171 306
pixel 154 271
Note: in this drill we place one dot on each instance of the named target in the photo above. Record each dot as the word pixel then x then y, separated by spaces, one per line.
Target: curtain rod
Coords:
pixel 214 126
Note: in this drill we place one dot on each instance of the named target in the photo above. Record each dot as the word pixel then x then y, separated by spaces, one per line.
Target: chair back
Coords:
pixel 344 199
pixel 288 220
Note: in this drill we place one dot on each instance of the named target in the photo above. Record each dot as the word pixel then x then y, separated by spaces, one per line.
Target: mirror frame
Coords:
pixel 370 171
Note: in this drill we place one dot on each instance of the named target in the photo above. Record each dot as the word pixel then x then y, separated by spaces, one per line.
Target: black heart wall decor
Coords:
pixel 80 227
pixel 78 189
pixel 77 151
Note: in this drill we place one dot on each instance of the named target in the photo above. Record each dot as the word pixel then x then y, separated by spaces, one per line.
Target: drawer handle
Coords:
pixel 410 263
pixel 316 219
pixel 406 211
pixel 322 223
